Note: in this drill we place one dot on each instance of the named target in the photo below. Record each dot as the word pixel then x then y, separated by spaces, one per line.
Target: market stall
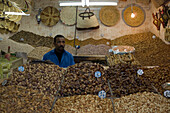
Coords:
pixel 121 56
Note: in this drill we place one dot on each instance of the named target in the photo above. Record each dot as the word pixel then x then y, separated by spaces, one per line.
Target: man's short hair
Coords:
pixel 58 36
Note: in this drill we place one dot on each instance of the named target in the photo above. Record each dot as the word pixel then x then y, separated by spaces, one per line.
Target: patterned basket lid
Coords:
pixel 109 15
pixel 139 15
pixel 50 16
pixel 68 15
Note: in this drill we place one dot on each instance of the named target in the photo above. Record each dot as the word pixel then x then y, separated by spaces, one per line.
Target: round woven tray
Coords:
pixel 14 18
pixel 68 15
pixel 50 16
pixel 109 15
pixel 139 15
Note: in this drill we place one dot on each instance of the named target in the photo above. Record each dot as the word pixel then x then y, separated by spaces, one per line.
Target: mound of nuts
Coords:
pixel 18 99
pixel 157 76
pixel 83 104
pixel 43 77
pixel 146 102
pixel 124 80
pixel 80 80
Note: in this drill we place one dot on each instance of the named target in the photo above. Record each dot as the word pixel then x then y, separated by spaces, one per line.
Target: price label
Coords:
pixel 110 50
pixel 140 72
pixel 21 68
pixel 167 93
pixel 4 82
pixel 102 94
pixel 97 74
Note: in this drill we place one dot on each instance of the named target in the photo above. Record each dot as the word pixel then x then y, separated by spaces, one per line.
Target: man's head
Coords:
pixel 59 42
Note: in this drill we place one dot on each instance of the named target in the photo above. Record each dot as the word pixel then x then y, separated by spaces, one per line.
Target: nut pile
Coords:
pixel 145 102
pixel 81 80
pixel 90 49
pixel 83 104
pixel 38 52
pixel 18 99
pixel 124 80
pixel 158 76
pixel 42 77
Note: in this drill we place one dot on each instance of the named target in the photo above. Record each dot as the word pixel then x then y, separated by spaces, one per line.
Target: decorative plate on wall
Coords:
pixel 50 16
pixel 68 15
pixel 139 17
pixel 109 15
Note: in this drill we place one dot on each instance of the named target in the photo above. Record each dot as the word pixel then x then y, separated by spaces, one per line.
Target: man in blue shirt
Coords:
pixel 59 56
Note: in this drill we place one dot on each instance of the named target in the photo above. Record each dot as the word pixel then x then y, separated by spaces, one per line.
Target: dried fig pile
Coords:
pixel 145 102
pixel 124 80
pixel 18 99
pixel 80 80
pixel 43 77
pixel 83 104
pixel 157 76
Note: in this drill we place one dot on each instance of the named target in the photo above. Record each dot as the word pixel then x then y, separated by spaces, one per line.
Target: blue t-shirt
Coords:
pixel 66 60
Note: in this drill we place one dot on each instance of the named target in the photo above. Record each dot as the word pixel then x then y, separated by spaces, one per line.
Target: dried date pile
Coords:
pixel 157 76
pixel 124 80
pixel 43 77
pixel 80 80
pixel 146 102
pixel 18 99
pixel 83 104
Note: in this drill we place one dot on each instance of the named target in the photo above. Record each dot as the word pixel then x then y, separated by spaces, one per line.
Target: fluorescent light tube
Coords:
pixel 102 4
pixel 83 2
pixel 71 4
pixel 16 13
pixel 87 2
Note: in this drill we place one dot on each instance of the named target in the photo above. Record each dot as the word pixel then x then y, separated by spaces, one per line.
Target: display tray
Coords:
pixel 101 59
pixel 14 62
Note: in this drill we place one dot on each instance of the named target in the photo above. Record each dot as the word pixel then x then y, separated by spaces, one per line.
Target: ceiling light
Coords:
pixel 71 4
pixel 87 3
pixel 16 13
pixel 102 4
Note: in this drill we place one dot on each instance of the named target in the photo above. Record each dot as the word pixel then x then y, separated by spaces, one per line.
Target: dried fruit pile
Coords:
pixel 148 51
pixel 18 99
pixel 124 80
pixel 157 76
pixel 83 104
pixel 32 39
pixel 90 49
pixel 43 77
pixel 145 102
pixel 81 80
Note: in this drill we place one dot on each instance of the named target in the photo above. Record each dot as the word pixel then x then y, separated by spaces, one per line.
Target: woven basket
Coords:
pixel 109 15
pixel 50 16
pixel 68 15
pixel 139 15
pixel 86 23
pixel 143 1
pixel 158 3
pixel 14 18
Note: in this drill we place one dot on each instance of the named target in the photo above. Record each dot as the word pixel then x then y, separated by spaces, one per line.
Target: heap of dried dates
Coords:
pixel 124 80
pixel 80 80
pixel 43 77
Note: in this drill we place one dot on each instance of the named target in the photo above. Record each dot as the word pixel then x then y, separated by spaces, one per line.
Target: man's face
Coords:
pixel 60 44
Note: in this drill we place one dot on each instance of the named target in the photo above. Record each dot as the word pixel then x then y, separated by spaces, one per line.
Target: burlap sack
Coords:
pixel 87 23
pixel 50 16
